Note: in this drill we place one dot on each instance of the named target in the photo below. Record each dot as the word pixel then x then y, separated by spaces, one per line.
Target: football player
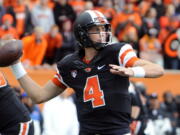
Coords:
pixel 14 117
pixel 99 73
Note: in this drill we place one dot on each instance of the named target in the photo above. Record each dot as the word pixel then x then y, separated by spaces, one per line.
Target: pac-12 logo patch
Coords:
pixel 3 81
pixel 74 73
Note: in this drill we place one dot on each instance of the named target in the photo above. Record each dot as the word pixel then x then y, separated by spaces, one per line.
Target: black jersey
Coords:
pixel 103 101
pixel 12 111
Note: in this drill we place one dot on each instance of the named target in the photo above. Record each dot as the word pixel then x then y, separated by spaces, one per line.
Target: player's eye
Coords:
pixel 97 29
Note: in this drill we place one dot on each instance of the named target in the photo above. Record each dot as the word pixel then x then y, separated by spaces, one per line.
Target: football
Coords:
pixel 10 51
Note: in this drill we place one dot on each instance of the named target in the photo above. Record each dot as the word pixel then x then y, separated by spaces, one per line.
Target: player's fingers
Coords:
pixel 116 67
pixel 113 66
pixel 115 71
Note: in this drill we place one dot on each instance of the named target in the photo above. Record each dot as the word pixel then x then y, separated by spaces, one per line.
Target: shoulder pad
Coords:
pixel 114 47
pixel 66 63
pixel 67 59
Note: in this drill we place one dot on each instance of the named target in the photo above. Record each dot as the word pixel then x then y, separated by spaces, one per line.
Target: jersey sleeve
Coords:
pixel 58 81
pixel 127 57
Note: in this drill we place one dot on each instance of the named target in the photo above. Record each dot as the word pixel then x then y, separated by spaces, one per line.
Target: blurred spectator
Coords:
pixel 128 17
pixel 51 3
pixel 167 2
pixel 159 6
pixel 176 4
pixel 119 5
pixel 144 6
pixel 168 23
pixel 177 101
pixel 60 115
pixel 149 21
pixel 55 41
pixel 2 11
pixel 96 3
pixel 171 47
pixel 31 3
pixel 22 17
pixel 7 28
pixel 131 36
pixel 169 107
pixel 107 9
pixel 35 113
pixel 88 5
pixel 158 123
pixel 43 16
pixel 8 3
pixel 150 47
pixel 63 11
pixel 77 5
pixel 34 48
pixel 69 42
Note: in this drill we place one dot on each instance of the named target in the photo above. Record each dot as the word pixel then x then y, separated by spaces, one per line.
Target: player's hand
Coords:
pixel 121 70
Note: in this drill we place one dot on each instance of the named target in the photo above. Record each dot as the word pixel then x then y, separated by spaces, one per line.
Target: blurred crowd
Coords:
pixel 46 30
pixel 46 27
pixel 154 116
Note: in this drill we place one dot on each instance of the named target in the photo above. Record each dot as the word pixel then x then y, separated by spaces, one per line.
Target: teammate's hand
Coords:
pixel 121 70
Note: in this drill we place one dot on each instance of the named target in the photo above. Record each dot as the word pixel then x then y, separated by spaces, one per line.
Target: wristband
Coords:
pixel 138 71
pixel 18 70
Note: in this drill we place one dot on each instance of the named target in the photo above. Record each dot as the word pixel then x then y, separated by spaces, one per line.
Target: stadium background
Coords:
pixel 154 25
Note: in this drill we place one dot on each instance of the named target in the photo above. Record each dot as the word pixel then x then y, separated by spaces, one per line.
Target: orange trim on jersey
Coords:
pixel 58 83
pixel 124 54
pixel 3 81
pixel 86 61
pixel 24 130
pixel 131 61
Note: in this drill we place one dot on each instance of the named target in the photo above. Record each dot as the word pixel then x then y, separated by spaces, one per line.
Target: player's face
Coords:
pixel 98 34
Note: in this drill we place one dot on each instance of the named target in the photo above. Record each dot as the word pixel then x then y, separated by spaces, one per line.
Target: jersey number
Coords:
pixel 93 92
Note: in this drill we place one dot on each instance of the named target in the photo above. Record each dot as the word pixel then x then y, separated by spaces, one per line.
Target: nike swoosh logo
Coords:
pixel 100 67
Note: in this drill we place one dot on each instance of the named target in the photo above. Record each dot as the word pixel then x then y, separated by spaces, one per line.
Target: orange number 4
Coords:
pixel 93 92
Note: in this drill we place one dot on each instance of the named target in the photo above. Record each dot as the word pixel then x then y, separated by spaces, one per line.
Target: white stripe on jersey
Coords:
pixel 27 130
pixel 128 56
pixel 119 60
pixel 21 128
pixel 124 48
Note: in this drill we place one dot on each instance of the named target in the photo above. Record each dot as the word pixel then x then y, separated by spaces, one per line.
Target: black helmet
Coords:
pixel 84 22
